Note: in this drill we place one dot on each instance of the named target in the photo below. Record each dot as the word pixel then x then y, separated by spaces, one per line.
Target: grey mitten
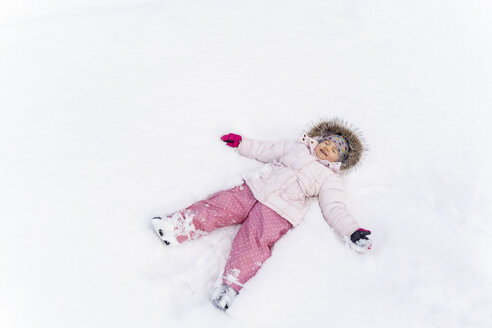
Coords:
pixel 360 241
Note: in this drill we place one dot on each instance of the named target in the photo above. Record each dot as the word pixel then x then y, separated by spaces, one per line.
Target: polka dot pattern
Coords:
pixel 342 145
pixel 252 245
pixel 222 209
pixel 261 228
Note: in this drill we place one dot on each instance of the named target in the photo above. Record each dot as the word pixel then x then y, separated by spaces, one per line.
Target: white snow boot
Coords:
pixel 165 230
pixel 223 297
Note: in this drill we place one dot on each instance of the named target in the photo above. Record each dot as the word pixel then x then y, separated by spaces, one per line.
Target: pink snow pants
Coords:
pixel 261 228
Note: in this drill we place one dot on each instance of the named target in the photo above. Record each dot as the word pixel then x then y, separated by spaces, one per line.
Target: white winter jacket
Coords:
pixel 293 177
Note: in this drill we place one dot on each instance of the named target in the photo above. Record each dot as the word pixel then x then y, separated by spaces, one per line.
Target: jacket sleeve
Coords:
pixel 332 198
pixel 264 151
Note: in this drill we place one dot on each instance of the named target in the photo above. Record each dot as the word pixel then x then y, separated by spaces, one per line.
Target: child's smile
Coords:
pixel 327 150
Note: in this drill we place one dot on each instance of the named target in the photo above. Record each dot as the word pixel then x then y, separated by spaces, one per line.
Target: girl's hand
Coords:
pixel 232 140
pixel 359 240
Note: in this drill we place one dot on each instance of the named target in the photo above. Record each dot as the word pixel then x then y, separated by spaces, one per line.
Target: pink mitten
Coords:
pixel 232 140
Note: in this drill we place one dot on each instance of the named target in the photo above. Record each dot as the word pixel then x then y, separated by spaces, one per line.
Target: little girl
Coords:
pixel 272 201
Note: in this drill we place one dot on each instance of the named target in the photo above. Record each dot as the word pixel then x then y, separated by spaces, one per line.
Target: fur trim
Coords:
pixel 354 137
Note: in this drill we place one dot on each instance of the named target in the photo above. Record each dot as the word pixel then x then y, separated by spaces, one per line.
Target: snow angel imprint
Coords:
pixel 272 201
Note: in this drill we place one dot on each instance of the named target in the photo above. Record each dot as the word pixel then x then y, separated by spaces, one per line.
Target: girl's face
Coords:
pixel 327 150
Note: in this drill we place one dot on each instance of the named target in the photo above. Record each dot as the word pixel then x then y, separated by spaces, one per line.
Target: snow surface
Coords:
pixel 111 113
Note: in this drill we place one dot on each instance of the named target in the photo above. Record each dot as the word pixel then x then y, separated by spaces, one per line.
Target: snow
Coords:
pixel 184 226
pixel 112 112
pixel 232 275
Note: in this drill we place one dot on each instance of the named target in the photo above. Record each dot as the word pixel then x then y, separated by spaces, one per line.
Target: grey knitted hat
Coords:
pixel 341 144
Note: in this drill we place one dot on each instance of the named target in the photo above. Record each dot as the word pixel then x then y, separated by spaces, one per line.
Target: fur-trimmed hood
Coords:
pixel 355 139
